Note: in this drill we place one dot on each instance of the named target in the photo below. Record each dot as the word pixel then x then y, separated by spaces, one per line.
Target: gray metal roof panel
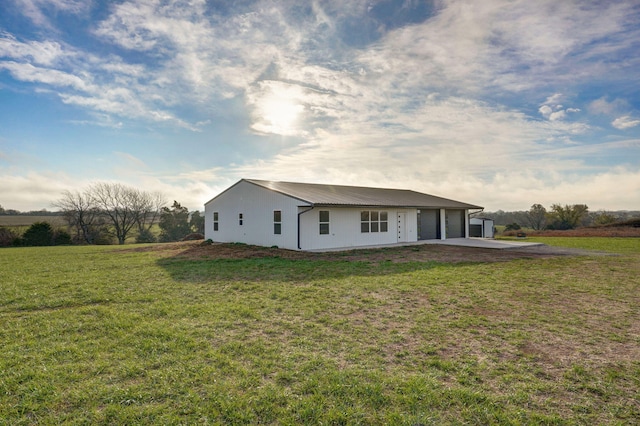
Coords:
pixel 341 195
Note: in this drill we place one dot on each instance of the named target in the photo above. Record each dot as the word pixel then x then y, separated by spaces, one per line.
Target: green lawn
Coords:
pixel 102 335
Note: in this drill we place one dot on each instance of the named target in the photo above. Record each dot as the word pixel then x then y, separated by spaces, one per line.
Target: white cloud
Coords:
pixel 603 106
pixel 38 10
pixel 40 53
pixel 625 122
pixel 597 190
pixel 553 110
pixel 33 191
pixel 29 73
pixel 557 115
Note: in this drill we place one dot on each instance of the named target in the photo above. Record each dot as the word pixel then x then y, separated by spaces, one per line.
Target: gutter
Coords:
pixel 300 214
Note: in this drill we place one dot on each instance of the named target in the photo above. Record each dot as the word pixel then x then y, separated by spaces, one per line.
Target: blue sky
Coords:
pixel 497 103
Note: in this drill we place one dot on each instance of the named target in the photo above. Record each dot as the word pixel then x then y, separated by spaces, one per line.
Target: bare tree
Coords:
pixel 536 216
pixel 151 204
pixel 125 207
pixel 81 214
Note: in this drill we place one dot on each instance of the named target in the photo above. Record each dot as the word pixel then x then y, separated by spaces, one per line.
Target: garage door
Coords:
pixel 429 224
pixel 455 223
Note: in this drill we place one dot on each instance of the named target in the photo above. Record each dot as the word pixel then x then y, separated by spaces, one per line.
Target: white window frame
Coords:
pixel 323 225
pixel 371 221
pixel 277 222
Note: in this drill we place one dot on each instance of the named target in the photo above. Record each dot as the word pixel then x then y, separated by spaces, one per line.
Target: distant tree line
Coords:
pixel 105 212
pixel 12 212
pixel 558 216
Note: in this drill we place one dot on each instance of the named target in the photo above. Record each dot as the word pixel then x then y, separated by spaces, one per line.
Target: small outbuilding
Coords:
pixel 304 216
pixel 481 227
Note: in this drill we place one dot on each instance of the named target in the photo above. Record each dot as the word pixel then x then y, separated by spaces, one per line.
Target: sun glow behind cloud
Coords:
pixel 277 108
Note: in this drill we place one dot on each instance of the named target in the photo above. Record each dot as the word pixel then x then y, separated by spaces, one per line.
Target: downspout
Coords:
pixel 300 214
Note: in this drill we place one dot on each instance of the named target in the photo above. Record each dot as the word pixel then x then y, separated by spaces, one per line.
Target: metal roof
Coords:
pixel 340 195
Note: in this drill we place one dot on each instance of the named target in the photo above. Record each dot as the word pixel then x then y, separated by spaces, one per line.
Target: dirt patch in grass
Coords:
pixel 196 250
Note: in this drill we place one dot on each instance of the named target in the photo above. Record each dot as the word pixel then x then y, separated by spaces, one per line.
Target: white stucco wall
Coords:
pixel 344 228
pixel 257 205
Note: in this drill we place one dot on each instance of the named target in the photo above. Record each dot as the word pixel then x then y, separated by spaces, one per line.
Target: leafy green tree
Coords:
pixel 536 216
pixel 567 216
pixel 174 223
pixel 197 222
pixel 604 218
pixel 145 236
pixel 38 234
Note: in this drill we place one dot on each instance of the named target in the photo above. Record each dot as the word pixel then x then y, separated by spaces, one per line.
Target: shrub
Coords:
pixel 103 237
pixel 512 227
pixel 9 237
pixel 145 236
pixel 38 234
pixel 61 238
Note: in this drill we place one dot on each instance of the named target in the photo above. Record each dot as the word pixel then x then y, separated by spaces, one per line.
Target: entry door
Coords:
pixel 402 232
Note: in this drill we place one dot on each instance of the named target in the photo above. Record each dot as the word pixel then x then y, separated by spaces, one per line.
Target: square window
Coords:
pixel 374 221
pixel 324 228
pixel 324 216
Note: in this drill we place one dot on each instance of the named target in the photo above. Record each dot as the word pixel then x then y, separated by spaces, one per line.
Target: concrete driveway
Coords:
pixel 483 243
pixel 461 242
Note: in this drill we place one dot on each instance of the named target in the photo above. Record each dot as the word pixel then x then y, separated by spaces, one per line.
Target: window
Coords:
pixel 215 221
pixel 240 219
pixel 277 222
pixel 324 222
pixel 364 221
pixel 374 221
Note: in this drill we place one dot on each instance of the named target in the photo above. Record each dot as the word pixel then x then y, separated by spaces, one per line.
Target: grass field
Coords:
pixel 106 335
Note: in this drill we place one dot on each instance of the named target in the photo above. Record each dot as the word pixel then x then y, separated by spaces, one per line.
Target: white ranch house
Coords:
pixel 303 216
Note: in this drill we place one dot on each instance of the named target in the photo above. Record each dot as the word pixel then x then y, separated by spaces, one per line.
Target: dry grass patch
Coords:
pixel 195 250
